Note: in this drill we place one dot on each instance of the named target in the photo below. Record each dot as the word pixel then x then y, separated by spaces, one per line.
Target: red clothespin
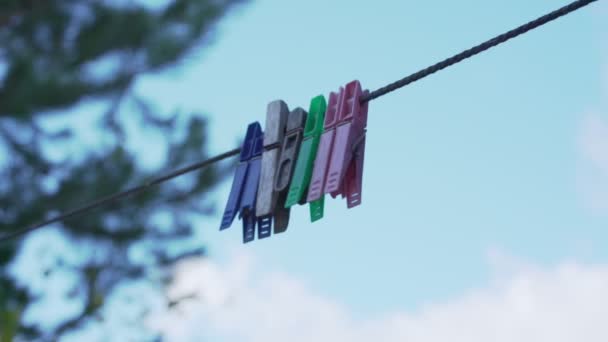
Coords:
pixel 339 164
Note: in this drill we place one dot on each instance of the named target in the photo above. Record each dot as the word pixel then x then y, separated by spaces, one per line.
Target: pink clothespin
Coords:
pixel 319 173
pixel 339 165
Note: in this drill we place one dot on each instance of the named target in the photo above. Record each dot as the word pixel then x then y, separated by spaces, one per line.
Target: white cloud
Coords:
pixel 568 302
pixel 593 177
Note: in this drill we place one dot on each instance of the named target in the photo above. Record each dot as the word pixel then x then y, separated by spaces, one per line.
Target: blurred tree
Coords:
pixel 55 56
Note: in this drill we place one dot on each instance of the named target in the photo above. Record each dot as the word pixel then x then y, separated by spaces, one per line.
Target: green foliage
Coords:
pixel 55 56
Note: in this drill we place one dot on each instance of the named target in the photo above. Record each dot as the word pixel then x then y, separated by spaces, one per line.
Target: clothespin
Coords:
pixel 349 147
pixel 287 163
pixel 326 143
pixel 245 183
pixel 276 120
pixel 306 158
pixel 248 203
pixel 339 171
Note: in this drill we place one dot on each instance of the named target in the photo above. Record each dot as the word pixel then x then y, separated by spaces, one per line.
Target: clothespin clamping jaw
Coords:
pixel 306 159
pixel 287 162
pixel 276 120
pixel 339 164
pixel 245 183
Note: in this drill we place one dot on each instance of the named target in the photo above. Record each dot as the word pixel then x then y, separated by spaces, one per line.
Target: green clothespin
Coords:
pixel 306 159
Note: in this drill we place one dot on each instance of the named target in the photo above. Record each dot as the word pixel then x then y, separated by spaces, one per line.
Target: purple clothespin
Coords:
pixel 245 184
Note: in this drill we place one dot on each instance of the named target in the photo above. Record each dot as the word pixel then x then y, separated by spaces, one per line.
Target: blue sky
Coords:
pixel 480 156
pixel 476 162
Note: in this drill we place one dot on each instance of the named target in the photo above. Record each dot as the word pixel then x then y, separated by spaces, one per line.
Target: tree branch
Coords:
pixel 91 305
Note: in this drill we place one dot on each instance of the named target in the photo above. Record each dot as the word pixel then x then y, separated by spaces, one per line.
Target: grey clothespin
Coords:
pixel 276 119
pixel 287 162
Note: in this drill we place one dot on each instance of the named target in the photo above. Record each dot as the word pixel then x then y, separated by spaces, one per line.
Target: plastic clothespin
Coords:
pixel 287 162
pixel 248 202
pixel 339 164
pixel 276 120
pixel 245 182
pixel 306 158
pixel 326 143
pixel 345 170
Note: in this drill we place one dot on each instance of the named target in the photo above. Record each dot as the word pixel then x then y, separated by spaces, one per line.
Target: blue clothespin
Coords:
pixel 244 189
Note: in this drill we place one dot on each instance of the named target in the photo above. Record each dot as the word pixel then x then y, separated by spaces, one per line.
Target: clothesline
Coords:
pixel 574 6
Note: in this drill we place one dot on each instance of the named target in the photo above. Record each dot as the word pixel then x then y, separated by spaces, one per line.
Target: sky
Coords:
pixel 485 198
